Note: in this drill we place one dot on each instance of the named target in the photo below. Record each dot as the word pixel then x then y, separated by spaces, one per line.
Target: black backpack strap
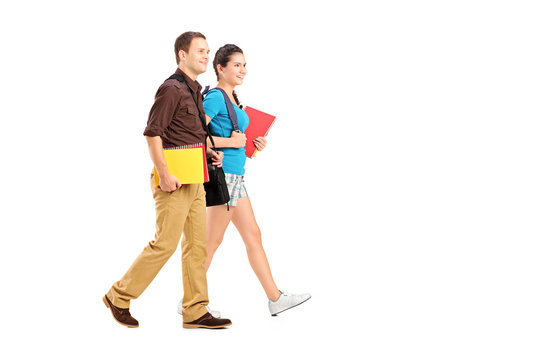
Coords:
pixel 181 79
pixel 205 91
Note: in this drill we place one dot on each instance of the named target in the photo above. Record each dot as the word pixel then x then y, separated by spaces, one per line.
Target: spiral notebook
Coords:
pixel 187 163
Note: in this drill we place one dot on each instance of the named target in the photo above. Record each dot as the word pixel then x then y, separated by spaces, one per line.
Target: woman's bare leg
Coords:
pixel 217 220
pixel 244 220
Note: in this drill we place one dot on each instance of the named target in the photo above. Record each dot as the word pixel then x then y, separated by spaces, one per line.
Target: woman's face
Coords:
pixel 235 70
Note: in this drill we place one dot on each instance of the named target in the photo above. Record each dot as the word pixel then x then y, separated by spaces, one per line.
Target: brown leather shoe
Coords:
pixel 122 316
pixel 209 322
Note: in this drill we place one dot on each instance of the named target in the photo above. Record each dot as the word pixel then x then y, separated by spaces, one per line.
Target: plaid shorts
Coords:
pixel 237 190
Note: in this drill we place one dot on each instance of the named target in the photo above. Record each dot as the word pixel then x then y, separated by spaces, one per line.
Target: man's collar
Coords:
pixel 193 85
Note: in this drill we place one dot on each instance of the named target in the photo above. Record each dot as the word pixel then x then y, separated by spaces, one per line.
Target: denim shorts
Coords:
pixel 237 190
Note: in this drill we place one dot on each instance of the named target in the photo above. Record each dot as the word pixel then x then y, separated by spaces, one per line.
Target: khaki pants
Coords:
pixel 182 210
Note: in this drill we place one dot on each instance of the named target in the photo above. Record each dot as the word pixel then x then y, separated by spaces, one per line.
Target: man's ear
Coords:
pixel 182 55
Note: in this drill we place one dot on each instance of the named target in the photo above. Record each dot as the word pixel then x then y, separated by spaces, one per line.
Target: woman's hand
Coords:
pixel 238 139
pixel 260 143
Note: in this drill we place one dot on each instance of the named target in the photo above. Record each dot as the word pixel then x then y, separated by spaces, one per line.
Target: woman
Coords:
pixel 230 67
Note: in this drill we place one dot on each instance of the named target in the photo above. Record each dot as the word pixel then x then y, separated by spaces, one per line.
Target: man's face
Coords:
pixel 196 59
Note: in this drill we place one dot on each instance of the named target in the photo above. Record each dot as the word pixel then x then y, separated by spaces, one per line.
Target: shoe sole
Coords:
pixel 275 314
pixel 195 326
pixel 179 311
pixel 108 307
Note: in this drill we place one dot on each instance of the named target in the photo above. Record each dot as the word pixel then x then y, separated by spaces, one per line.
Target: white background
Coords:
pixel 399 185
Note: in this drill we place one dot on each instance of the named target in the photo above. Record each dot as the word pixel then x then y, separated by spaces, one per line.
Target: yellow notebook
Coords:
pixel 186 163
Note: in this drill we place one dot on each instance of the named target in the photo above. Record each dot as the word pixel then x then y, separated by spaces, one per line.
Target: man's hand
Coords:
pixel 217 157
pixel 238 139
pixel 169 183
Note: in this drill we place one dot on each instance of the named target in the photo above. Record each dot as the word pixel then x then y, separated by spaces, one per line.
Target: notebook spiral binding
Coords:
pixel 184 147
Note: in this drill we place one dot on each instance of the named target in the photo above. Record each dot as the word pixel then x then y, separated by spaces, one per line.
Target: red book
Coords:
pixel 259 125
pixel 205 165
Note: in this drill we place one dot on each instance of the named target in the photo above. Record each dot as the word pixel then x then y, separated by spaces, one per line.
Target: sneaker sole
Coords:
pixel 108 307
pixel 195 326
pixel 211 313
pixel 275 314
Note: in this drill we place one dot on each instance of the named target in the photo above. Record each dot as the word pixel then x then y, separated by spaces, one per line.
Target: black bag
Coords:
pixel 216 189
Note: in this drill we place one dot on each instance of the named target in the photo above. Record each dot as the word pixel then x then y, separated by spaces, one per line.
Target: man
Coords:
pixel 174 121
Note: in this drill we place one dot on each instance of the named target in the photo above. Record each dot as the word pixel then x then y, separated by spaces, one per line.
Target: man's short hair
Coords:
pixel 183 42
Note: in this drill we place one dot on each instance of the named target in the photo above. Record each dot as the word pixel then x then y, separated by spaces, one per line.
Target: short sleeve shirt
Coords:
pixel 175 116
pixel 234 159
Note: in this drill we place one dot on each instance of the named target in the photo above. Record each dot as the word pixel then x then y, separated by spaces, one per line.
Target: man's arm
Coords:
pixel 167 182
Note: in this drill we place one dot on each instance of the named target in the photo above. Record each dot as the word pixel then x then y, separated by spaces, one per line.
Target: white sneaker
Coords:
pixel 214 313
pixel 286 301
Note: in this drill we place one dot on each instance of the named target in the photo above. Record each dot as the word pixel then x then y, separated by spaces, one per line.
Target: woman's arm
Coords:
pixel 237 139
